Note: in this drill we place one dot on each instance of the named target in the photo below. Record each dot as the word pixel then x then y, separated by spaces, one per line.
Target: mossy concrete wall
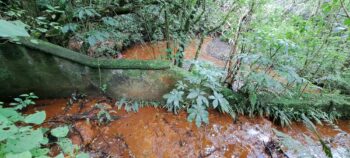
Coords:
pixel 52 71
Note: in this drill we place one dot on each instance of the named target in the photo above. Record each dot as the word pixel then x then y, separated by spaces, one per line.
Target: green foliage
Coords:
pixel 19 137
pixel 36 118
pixel 125 22
pixel 10 29
pixel 66 146
pixel 173 100
pixel 104 88
pixel 24 101
pixel 84 13
pixel 103 115
pixel 285 54
pixel 274 81
pixel 60 132
pixel 70 27
pixel 195 92
pixel 20 140
pixel 134 105
pixel 64 143
pixel 199 114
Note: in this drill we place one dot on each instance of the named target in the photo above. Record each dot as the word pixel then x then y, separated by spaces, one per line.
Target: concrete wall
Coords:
pixel 52 71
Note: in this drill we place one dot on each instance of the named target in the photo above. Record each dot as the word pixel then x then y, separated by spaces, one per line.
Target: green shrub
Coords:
pixel 198 93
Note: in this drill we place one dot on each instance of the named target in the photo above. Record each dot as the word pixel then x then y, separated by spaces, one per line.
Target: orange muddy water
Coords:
pixel 157 133
pixel 157 50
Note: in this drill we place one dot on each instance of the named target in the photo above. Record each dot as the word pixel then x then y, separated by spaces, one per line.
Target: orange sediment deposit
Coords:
pixel 157 50
pixel 157 133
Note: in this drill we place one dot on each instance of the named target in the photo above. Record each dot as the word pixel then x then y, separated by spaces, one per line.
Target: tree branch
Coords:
pixel 344 8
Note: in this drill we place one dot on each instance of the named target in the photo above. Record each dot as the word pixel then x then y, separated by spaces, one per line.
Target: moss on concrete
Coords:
pixel 52 71
pixel 61 52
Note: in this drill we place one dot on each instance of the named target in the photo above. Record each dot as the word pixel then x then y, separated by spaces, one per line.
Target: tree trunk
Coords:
pixel 31 7
pixel 167 36
pixel 197 51
pixel 230 69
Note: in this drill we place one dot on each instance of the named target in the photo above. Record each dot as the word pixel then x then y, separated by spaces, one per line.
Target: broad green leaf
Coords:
pixel 69 27
pixel 25 154
pixel 60 132
pixel 12 29
pixel 199 114
pixel 173 100
pixel 25 140
pixel 347 22
pixel 66 145
pixel 326 7
pixel 11 114
pixel 201 99
pixel 7 130
pixel 40 152
pixel 218 99
pixel 180 85
pixel 61 155
pixel 110 21
pixel 83 155
pixel 36 118
pixel 44 141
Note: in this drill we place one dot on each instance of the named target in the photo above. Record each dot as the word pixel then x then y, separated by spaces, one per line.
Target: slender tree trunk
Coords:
pixel 167 36
pixel 197 51
pixel 186 28
pixel 31 7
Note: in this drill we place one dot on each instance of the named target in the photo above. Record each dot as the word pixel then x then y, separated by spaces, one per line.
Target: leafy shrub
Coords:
pixel 285 109
pixel 198 93
pixel 19 138
pixel 277 91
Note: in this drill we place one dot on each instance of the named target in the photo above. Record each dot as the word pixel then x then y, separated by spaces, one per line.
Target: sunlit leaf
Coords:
pixel 36 118
pixel 60 132
pixel 12 29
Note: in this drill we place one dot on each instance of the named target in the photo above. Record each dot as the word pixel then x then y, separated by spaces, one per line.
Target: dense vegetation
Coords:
pixel 288 59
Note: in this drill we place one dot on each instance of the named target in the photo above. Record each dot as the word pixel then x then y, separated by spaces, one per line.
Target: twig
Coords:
pixel 344 8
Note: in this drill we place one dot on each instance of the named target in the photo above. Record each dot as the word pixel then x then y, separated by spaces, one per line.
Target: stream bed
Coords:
pixel 155 132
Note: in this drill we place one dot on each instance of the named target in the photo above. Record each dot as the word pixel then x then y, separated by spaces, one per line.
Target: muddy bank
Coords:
pixel 154 132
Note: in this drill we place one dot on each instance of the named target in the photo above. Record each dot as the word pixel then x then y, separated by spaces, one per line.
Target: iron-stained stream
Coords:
pixel 155 132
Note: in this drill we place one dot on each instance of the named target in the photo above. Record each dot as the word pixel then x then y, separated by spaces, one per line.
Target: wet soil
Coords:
pixel 155 132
